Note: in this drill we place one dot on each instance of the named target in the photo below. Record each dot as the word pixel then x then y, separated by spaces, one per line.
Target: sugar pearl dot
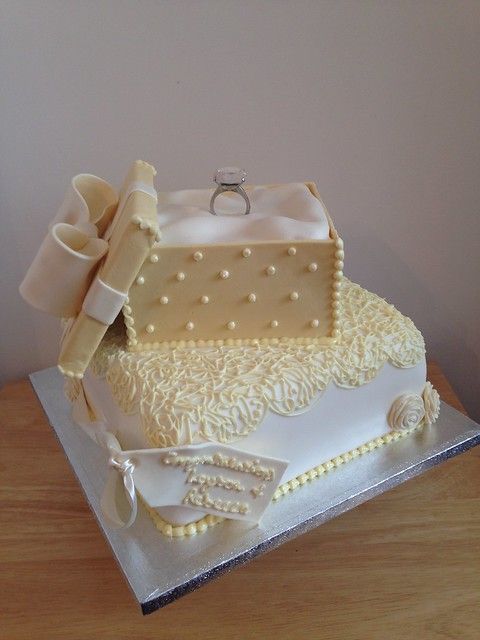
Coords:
pixel 204 299
pixel 231 325
pixel 336 285
pixel 338 275
pixel 291 251
pixel 336 295
pixel 189 326
pixel 294 295
pixel 140 280
pixel 252 297
pixel 154 257
pixel 271 270
pixel 180 276
pixel 313 266
pixel 224 274
pixel 164 300
pixel 314 323
pixel 274 324
pixel 339 264
pixel 246 253
pixel 197 256
pixel 339 254
pixel 149 328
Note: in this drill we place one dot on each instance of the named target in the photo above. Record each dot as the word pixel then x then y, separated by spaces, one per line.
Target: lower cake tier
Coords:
pixel 339 421
pixel 303 404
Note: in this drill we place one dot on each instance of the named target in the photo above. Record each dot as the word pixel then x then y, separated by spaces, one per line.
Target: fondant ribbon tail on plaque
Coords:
pixel 119 499
pixel 209 478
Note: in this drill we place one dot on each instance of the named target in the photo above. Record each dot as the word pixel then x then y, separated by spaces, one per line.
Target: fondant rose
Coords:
pixel 431 400
pixel 406 412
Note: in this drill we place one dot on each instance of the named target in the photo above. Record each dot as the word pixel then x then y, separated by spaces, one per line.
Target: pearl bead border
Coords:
pixel 145 225
pixel 336 462
pixel 200 526
pixel 128 318
pixel 181 531
pixel 336 286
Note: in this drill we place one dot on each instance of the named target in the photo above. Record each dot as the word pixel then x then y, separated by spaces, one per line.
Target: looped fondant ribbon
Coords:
pixel 60 280
pixel 60 275
pixel 119 500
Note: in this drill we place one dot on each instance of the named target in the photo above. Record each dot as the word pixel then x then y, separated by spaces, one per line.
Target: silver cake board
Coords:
pixel 159 569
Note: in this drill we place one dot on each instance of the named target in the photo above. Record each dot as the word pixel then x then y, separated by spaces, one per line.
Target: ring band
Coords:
pixel 229 179
pixel 235 189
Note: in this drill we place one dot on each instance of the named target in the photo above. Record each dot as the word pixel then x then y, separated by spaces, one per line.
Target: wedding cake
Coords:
pixel 222 360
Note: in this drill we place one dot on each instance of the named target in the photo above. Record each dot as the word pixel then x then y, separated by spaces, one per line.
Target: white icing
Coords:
pixel 103 302
pixel 278 212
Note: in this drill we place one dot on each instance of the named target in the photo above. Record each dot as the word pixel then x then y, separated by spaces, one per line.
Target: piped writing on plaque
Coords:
pixel 210 478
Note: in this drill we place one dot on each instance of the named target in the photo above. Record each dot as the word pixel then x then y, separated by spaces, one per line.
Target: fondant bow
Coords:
pixel 58 278
pixel 119 500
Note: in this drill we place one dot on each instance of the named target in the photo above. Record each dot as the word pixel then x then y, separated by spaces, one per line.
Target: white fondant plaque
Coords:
pixel 211 478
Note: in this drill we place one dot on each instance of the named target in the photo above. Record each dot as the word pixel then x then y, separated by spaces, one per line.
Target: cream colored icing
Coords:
pixel 222 393
pixel 278 212
pixel 180 298
pixel 431 400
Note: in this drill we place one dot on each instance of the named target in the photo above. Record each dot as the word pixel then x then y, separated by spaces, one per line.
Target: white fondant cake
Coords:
pixel 244 364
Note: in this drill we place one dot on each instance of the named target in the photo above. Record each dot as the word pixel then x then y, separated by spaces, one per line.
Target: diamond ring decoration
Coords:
pixel 230 179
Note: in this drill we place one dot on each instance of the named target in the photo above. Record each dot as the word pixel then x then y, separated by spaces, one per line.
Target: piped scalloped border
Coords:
pixel 200 526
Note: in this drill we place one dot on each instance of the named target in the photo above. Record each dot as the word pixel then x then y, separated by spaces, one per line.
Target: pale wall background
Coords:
pixel 378 102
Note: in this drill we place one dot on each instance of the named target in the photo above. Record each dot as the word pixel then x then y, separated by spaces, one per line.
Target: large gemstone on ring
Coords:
pixel 230 176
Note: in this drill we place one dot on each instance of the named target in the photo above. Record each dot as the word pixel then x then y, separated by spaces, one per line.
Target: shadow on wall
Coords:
pixel 443 331
pixel 29 339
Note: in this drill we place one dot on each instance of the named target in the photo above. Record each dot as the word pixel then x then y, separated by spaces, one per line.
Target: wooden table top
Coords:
pixel 403 565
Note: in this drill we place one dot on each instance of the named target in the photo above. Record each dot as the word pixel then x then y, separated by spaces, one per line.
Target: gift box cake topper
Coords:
pixel 183 277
